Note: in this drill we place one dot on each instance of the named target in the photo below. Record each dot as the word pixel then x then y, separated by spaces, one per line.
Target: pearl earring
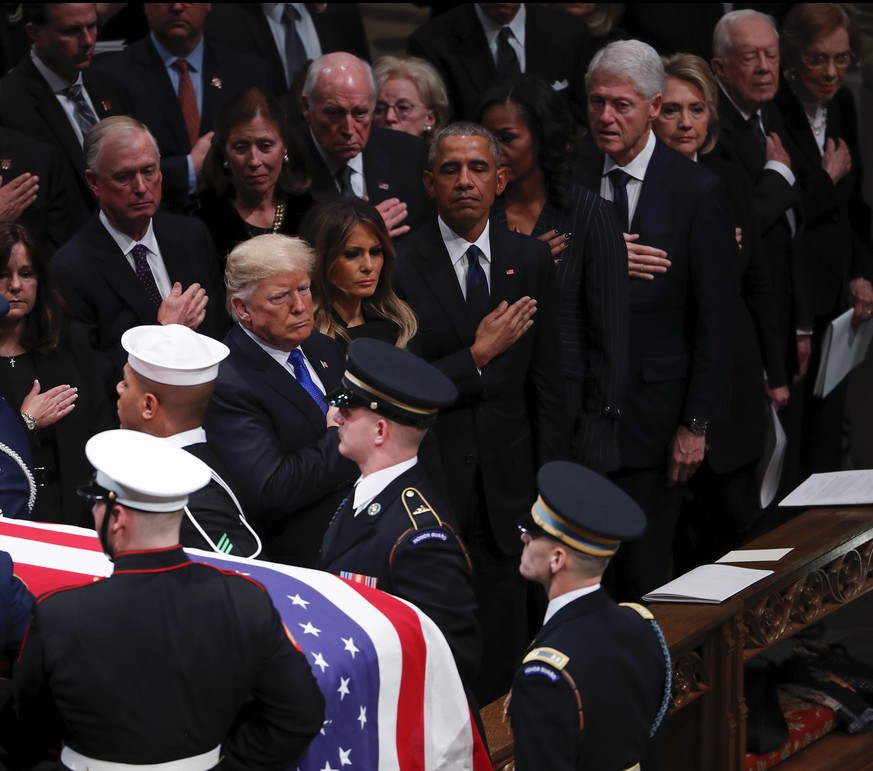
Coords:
pixel 225 165
pixel 285 158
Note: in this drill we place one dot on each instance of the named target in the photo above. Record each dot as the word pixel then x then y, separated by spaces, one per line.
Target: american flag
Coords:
pixel 394 697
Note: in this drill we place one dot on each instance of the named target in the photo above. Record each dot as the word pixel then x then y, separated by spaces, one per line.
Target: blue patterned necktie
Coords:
pixel 344 178
pixel 619 181
pixel 85 116
pixel 477 285
pixel 295 359
pixel 144 274
pixel 507 60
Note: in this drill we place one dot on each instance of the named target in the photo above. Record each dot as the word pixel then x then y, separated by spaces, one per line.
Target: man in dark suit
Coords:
pixel 173 67
pixel 680 327
pixel 394 531
pixel 347 156
pixel 477 44
pixel 262 29
pixel 131 264
pixel 168 381
pixel 595 683
pixel 33 189
pixel 54 96
pixel 267 420
pixel 746 64
pixel 486 303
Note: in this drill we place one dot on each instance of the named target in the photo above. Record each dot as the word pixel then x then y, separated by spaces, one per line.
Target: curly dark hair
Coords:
pixel 244 108
pixel 45 324
pixel 547 117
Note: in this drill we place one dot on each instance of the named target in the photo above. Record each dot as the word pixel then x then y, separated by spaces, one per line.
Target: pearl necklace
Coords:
pixel 279 217
pixel 819 122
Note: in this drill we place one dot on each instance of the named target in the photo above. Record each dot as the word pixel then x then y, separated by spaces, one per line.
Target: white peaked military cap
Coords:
pixel 143 471
pixel 173 354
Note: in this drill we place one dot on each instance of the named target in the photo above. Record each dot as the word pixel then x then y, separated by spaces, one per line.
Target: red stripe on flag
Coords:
pixel 17 528
pixel 410 704
pixel 39 579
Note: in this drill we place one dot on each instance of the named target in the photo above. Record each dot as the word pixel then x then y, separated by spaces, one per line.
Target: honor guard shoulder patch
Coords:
pixel 554 658
pixel 423 536
pixel 419 510
pixel 540 670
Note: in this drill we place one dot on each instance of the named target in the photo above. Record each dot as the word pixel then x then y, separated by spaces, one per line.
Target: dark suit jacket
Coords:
pixel 15 457
pixel 681 323
pixel 393 166
pixel 511 418
pixel 243 27
pixel 616 663
pixel 28 105
pixel 426 565
pixel 225 74
pixel 106 296
pixel 772 198
pixel 835 245
pixel 47 219
pixel 273 439
pixel 557 48
pixel 592 318
pixel 739 439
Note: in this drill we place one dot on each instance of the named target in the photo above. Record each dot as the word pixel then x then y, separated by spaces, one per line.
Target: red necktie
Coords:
pixel 188 101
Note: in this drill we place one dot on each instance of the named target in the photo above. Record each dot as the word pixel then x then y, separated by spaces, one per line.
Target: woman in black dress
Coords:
pixel 254 176
pixel 352 291
pixel 48 373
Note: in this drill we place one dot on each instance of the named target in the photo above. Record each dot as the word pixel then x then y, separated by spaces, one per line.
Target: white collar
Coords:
pixel 457 246
pixel 492 28
pixel 368 487
pixel 565 599
pixel 185 438
pixel 637 167
pixel 125 242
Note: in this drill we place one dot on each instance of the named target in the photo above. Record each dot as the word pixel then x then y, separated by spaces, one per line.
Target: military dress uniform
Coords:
pixel 402 541
pixel 166 661
pixel 594 685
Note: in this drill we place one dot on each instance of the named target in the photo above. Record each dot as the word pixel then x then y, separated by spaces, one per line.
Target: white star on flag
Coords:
pixel 344 756
pixel 327 767
pixel 309 629
pixel 362 718
pixel 320 662
pixel 343 690
pixel 296 599
pixel 350 645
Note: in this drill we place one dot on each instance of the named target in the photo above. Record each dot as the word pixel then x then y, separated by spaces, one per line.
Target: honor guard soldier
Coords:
pixel 167 663
pixel 594 685
pixel 393 530
pixel 167 383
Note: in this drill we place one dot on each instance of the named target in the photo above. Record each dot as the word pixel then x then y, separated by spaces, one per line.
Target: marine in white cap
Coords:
pixel 167 383
pixel 167 663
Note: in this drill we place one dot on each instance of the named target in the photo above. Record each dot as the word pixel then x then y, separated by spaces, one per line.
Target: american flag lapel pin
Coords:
pixel 5 164
pixel 510 271
pixel 215 82
pixel 383 185
pixel 106 105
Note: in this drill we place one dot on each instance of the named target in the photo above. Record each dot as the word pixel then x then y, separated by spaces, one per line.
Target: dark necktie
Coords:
pixel 295 53
pixel 85 117
pixel 144 274
pixel 477 285
pixel 507 59
pixel 619 180
pixel 344 178
pixel 754 125
pixel 295 359
pixel 188 101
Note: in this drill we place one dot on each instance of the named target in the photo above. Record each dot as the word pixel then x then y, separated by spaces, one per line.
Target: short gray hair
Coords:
pixel 118 127
pixel 631 59
pixel 251 261
pixel 722 36
pixel 327 61
pixel 464 129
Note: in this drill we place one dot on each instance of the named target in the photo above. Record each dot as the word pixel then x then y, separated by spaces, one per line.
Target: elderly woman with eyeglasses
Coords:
pixel 411 96
pixel 818 41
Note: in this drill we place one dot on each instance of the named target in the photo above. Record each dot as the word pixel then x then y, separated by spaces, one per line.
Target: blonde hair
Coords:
pixel 694 70
pixel 427 80
pixel 261 257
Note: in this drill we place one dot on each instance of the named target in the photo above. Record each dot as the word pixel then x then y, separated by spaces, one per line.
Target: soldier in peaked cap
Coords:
pixel 592 689
pixel 167 662
pixel 393 531
pixel 165 389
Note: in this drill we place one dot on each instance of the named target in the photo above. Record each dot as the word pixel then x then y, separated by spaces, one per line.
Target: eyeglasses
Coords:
pixel 402 109
pixel 821 61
